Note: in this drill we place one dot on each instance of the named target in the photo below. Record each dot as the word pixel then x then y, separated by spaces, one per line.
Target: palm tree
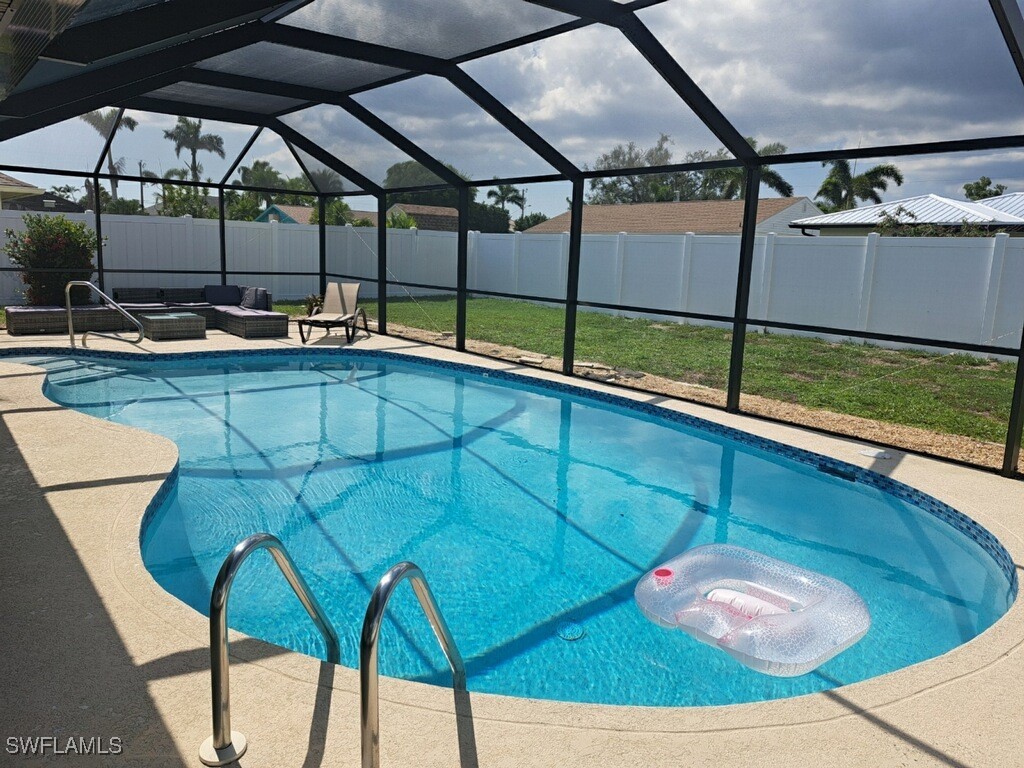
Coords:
pixel 103 122
pixel 262 174
pixel 727 183
pixel 505 194
pixel 188 134
pixel 326 180
pixel 843 187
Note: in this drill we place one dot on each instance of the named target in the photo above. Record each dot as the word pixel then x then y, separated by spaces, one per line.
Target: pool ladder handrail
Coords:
pixel 369 713
pixel 110 303
pixel 225 745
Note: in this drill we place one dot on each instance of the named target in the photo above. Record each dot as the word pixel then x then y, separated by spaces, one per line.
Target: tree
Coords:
pixel 261 174
pixel 728 183
pixel 412 174
pixel 103 122
pixel 639 188
pixel 300 187
pixel 125 207
pixel 504 194
pixel 842 188
pixel 326 180
pixel 242 208
pixel 67 191
pixel 337 213
pixel 174 200
pixel 488 218
pixel 983 188
pixel 188 135
pixel 399 220
pixel 523 223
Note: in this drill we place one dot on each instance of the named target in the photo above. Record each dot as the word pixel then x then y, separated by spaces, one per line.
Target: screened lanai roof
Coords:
pixel 526 90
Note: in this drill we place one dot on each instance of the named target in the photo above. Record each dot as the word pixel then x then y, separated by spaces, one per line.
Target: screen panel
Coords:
pixel 442 28
pixel 833 75
pixel 444 122
pixel 592 95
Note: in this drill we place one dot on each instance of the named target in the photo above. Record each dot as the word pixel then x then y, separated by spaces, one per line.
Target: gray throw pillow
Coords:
pixel 255 298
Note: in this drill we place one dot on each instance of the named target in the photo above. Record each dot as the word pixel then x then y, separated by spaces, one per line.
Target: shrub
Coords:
pixel 313 301
pixel 52 242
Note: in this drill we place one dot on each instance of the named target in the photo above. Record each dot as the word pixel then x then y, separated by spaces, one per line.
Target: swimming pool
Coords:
pixel 532 510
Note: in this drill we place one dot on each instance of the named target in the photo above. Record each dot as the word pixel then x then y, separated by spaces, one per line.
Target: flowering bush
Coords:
pixel 52 243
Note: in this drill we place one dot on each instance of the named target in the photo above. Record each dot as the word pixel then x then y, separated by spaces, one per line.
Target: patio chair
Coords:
pixel 341 309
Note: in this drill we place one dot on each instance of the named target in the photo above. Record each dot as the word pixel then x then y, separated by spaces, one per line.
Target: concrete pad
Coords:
pixel 92 646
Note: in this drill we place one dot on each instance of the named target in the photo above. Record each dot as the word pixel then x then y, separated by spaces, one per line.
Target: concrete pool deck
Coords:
pixel 93 647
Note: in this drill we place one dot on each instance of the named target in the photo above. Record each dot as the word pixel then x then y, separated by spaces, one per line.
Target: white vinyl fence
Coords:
pixel 968 290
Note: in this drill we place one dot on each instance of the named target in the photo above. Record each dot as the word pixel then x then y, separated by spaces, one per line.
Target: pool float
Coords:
pixel 767 614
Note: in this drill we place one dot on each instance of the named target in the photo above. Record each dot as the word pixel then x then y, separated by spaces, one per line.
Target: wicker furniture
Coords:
pixel 91 317
pixel 252 323
pixel 173 325
pixel 244 312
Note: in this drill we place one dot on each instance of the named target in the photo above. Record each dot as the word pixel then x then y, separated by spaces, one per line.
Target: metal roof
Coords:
pixel 1012 203
pixel 924 209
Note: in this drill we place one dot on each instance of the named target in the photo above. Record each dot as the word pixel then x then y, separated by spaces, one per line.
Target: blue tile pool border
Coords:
pixel 844 470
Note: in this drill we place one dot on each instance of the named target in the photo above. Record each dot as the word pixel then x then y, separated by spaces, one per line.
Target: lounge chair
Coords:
pixel 341 309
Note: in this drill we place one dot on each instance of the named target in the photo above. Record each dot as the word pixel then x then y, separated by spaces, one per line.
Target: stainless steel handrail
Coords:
pixel 225 745
pixel 110 303
pixel 369 713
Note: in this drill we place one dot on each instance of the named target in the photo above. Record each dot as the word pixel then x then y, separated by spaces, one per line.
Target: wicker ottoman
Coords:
pixel 173 325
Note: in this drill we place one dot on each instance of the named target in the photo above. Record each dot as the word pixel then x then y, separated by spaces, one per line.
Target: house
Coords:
pixel 12 189
pixel 437 218
pixel 1004 213
pixel 287 214
pixel 702 217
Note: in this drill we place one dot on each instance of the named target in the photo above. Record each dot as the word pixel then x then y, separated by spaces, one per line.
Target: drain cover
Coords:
pixel 570 630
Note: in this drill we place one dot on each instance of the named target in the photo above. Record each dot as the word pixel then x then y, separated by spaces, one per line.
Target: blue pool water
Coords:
pixel 532 512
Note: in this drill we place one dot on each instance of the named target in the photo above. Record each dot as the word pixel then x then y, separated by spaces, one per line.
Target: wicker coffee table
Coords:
pixel 173 325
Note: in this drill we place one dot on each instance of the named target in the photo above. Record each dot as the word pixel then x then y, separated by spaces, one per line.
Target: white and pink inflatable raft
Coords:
pixel 769 615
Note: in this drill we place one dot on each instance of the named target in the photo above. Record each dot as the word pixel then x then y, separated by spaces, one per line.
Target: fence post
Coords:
pixel 620 264
pixel 687 267
pixel 190 239
pixel 346 266
pixel 517 250
pixel 382 264
pixel 222 231
pixel 321 204
pixel 994 281
pixel 767 273
pixel 99 231
pixel 867 279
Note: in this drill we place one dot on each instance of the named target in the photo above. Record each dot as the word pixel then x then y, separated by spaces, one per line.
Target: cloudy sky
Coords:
pixel 813 74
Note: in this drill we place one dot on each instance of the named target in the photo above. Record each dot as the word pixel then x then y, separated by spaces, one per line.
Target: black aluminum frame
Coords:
pixel 127 79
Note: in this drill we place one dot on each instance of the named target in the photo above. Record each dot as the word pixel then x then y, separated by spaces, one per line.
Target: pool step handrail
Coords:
pixel 110 303
pixel 369 714
pixel 225 745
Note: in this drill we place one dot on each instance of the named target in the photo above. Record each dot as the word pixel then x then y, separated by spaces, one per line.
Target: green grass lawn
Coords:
pixel 956 394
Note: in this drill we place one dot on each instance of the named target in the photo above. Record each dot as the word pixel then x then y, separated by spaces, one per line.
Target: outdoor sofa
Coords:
pixel 239 310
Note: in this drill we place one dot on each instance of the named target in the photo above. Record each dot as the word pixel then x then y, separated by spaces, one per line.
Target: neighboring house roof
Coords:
pixel 12 188
pixel 706 217
pixel 438 218
pixel 287 214
pixel 371 215
pixel 926 209
pixel 1012 203
pixel 44 202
